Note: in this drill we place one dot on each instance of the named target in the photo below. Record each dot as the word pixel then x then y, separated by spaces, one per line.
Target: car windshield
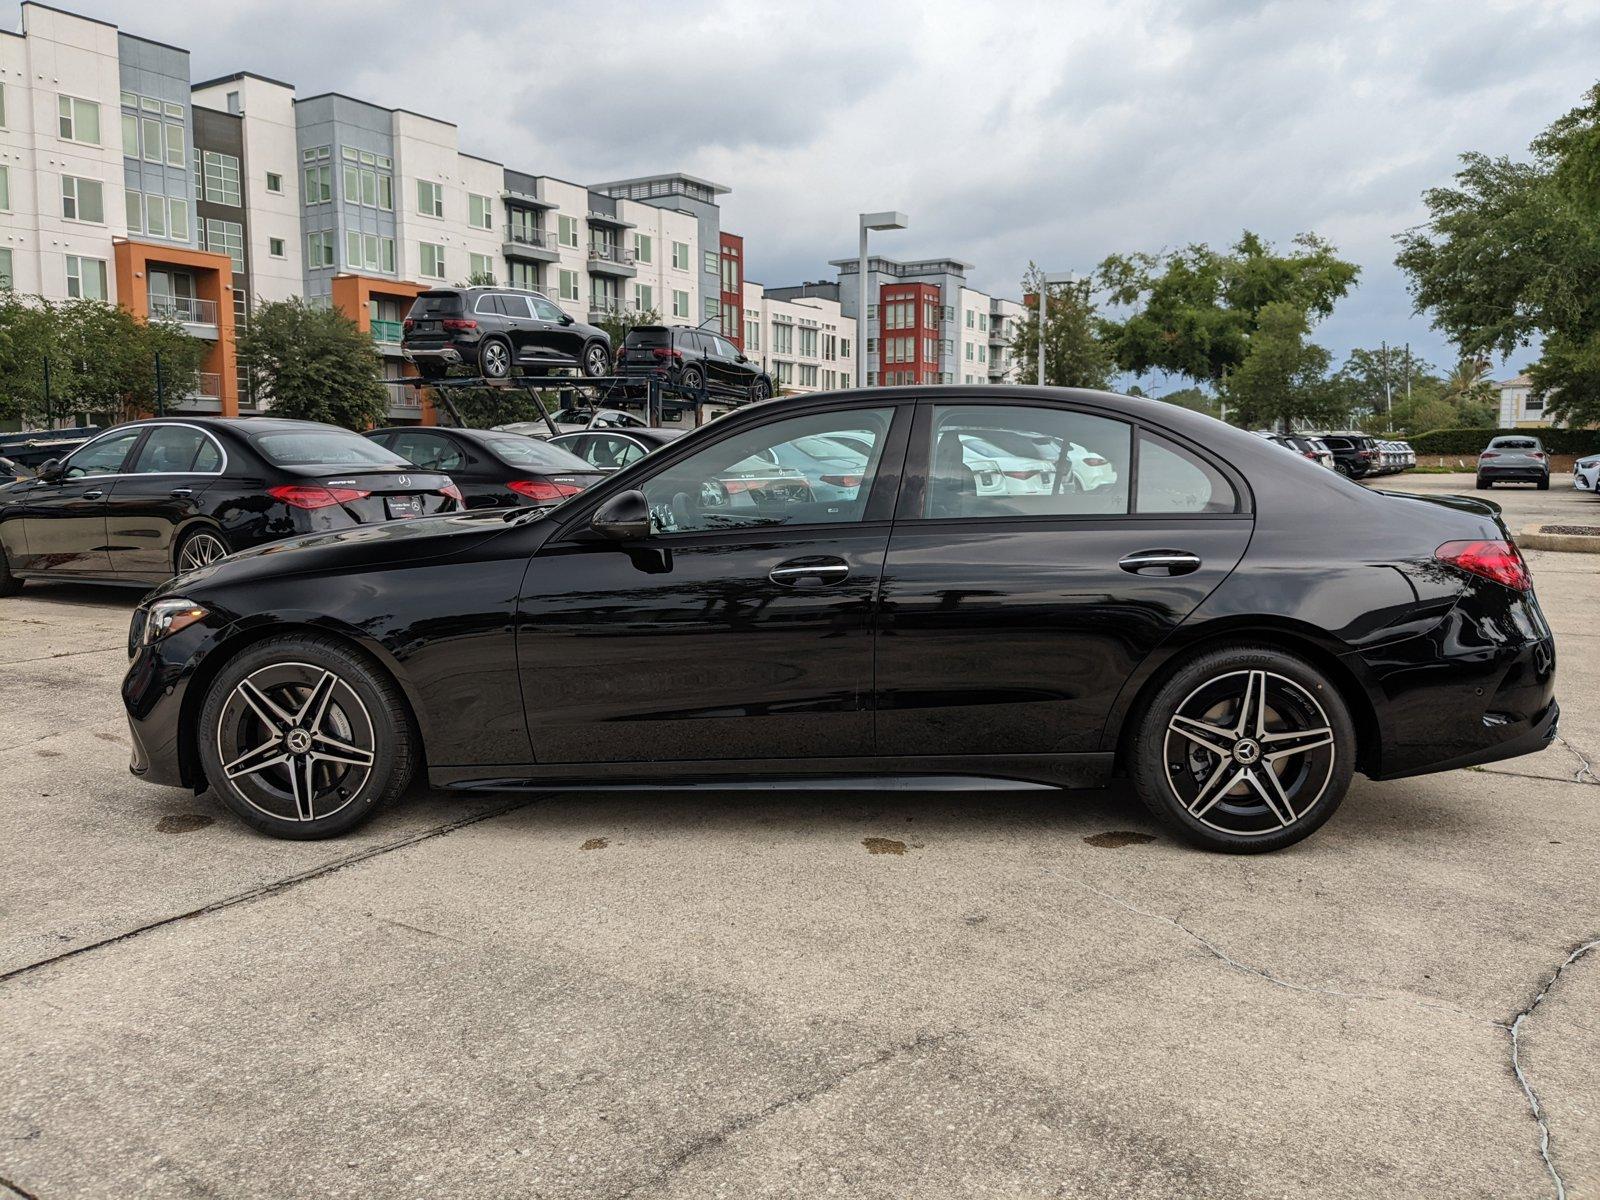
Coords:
pixel 530 452
pixel 323 448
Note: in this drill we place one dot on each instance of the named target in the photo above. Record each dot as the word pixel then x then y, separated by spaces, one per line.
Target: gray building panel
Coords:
pixel 339 123
pixel 155 71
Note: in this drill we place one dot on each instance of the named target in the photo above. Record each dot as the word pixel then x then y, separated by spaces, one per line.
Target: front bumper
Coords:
pixel 154 693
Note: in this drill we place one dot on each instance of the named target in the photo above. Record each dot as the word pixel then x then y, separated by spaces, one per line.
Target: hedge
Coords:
pixel 1470 441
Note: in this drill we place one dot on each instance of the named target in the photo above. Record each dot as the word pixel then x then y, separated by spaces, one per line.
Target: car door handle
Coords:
pixel 183 491
pixel 1160 562
pixel 94 495
pixel 797 571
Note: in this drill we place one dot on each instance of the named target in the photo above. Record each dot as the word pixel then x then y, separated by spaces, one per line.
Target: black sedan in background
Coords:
pixel 1234 628
pixel 147 500
pixel 492 469
pixel 612 449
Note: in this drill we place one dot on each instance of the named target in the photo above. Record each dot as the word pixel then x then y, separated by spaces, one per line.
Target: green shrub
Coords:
pixel 1470 441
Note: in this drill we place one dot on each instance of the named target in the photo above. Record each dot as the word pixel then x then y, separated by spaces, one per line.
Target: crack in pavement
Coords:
pixel 1586 769
pixel 15 1190
pixel 1515 1028
pixel 17 662
pixel 274 888
pixel 1277 980
pixel 747 1121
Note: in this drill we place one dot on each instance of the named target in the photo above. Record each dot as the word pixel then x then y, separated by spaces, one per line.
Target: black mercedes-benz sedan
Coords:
pixel 490 468
pixel 144 500
pixel 1234 628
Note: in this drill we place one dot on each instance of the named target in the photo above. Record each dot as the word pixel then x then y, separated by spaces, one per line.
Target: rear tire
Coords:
pixel 596 360
pixel 10 585
pixel 1544 484
pixel 494 359
pixel 1343 469
pixel 315 692
pixel 692 379
pixel 198 549
pixel 1266 759
pixel 1483 484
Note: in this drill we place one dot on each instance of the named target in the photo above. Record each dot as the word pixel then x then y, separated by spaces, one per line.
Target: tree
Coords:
pixel 314 364
pixel 1284 378
pixel 1510 254
pixel 1194 398
pixel 1074 354
pixel 1376 382
pixel 618 322
pixel 1194 311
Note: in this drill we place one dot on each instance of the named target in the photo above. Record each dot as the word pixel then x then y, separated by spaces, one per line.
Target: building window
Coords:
pixel 680 256
pixel 86 278
pixel 275 247
pixel 5 189
pixel 155 216
pixel 319 250
pixel 808 343
pixel 221 173
pixel 644 297
pixel 79 122
pixel 482 268
pixel 430 199
pixel 711 262
pixel 567 233
pixel 130 134
pixel 367 181
pixel 643 247
pixel 730 274
pixel 275 183
pixel 82 200
pixel 524 275
pixel 318 175
pixel 680 304
pixel 2 126
pixel 177 219
pixel 712 307
pixel 480 211
pixel 782 338
pixel 368 252
pixel 808 375
pixel 6 278
pixel 432 265
pixel 226 237
pixel 752 336
pixel 569 285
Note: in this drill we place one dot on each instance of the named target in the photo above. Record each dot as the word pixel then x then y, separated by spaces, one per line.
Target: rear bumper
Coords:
pixel 1533 473
pixel 1527 737
pixel 439 354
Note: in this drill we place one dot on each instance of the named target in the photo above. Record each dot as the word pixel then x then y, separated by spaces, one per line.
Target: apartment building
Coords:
pixel 696 198
pixel 804 342
pixel 925 324
pixel 1520 408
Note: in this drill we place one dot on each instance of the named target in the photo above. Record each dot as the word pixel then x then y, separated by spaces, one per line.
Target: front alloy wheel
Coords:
pixel 1244 751
pixel 303 737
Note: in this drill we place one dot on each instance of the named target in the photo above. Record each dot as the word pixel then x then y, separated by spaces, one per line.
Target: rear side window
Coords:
pixel 1005 461
pixel 514 306
pixel 324 448
pixel 436 304
pixel 1172 480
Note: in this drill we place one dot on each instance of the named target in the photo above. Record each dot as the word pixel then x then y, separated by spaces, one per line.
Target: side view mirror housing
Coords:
pixel 50 470
pixel 566 318
pixel 623 518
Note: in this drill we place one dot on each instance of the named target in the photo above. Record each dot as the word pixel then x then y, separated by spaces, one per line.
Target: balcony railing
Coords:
pixel 208 386
pixel 388 332
pixel 402 395
pixel 522 236
pixel 184 308
pixel 612 254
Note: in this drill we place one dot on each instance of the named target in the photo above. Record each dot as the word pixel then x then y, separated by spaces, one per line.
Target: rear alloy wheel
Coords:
pixel 494 359
pixel 692 379
pixel 200 549
pixel 304 738
pixel 759 390
pixel 1244 750
pixel 596 361
pixel 1343 469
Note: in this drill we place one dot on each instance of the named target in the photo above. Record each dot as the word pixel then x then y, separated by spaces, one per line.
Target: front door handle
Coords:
pixel 94 495
pixel 1160 562
pixel 183 491
pixel 810 572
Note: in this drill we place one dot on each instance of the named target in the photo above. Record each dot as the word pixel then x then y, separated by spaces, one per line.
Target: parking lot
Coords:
pixel 791 993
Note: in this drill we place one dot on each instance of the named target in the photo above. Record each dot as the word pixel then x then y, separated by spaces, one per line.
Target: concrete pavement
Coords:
pixel 786 993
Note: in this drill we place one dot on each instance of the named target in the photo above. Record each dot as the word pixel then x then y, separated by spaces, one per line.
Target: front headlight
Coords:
pixel 157 620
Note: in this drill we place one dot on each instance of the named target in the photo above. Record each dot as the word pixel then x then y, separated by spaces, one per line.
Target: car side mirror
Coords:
pixel 625 517
pixel 566 318
pixel 51 470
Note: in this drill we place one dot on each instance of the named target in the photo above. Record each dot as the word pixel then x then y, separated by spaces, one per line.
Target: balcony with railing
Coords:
pixel 198 316
pixel 388 333
pixel 403 398
pixel 536 245
pixel 608 259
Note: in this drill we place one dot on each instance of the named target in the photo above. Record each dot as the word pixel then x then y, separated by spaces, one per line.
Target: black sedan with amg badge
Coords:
pixel 144 501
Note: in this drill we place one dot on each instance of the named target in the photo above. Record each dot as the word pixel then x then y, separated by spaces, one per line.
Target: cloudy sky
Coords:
pixel 1057 132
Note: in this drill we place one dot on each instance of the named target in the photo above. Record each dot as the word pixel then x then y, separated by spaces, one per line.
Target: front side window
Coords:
pixel 789 472
pixel 1014 460
pixel 103 457
pixel 1172 480
pixel 543 309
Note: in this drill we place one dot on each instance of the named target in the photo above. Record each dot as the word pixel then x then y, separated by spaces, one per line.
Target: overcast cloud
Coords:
pixel 1057 132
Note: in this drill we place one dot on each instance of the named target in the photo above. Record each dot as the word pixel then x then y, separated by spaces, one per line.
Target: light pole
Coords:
pixel 877 220
pixel 1046 282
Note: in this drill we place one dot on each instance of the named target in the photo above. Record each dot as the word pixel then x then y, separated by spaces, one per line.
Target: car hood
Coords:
pixel 353 549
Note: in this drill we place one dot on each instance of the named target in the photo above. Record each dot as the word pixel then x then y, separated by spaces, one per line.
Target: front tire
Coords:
pixel 1244 749
pixel 596 360
pixel 692 379
pixel 304 737
pixel 10 585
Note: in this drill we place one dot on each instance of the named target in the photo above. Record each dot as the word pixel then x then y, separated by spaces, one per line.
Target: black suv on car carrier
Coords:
pixel 693 359
pixel 493 330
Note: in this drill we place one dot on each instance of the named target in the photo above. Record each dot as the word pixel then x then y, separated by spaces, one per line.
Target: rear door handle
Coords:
pixel 94 495
pixel 810 572
pixel 183 491
pixel 1160 562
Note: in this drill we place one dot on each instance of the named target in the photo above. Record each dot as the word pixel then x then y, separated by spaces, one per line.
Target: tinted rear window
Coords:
pixel 648 337
pixel 323 448
pixel 436 304
pixel 1514 444
pixel 531 452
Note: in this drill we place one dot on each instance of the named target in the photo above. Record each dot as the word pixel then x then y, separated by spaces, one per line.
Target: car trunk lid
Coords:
pixel 370 494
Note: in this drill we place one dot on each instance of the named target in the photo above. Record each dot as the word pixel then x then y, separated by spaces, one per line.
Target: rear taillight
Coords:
pixel 311 496
pixel 458 323
pixel 1496 560
pixel 664 354
pixel 1094 460
pixel 454 493
pixel 1020 474
pixel 540 490
pixel 1536 454
pixel 406 324
pixel 847 481
pixel 1488 454
pixel 1308 454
